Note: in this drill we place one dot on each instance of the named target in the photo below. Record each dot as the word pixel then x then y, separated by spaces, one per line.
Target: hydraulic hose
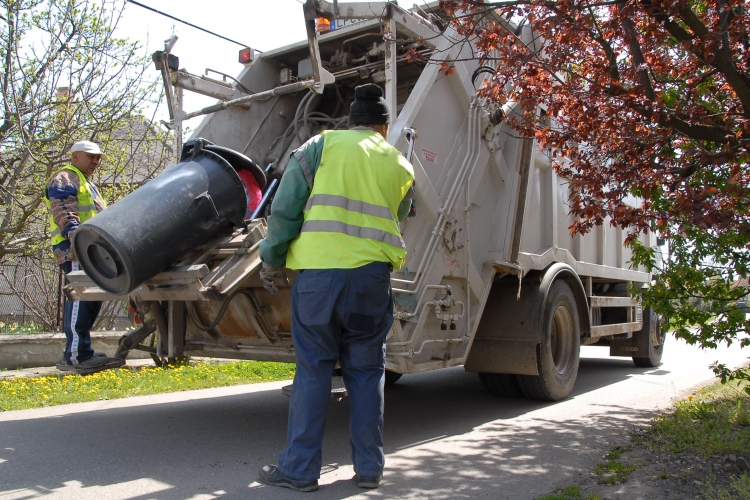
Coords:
pixel 199 325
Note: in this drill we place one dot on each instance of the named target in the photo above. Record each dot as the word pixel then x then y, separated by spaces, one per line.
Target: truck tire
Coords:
pixel 502 385
pixel 651 327
pixel 391 377
pixel 558 354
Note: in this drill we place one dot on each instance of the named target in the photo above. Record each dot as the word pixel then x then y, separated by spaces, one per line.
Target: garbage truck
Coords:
pixel 493 280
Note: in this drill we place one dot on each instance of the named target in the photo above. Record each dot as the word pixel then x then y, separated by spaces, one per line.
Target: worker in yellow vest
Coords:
pixel 335 220
pixel 72 199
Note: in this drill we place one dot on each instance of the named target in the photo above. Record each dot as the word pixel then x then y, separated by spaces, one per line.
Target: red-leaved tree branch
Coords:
pixel 643 94
pixel 648 116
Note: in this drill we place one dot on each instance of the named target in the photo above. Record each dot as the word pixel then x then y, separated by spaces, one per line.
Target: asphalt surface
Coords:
pixel 445 437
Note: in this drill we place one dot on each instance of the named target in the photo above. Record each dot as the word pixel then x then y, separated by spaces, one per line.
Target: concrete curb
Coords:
pixel 46 349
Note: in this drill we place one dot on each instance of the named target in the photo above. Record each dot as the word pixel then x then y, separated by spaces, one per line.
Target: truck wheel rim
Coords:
pixel 561 339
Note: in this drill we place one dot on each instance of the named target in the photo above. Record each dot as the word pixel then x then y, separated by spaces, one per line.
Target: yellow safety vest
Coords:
pixel 86 206
pixel 350 216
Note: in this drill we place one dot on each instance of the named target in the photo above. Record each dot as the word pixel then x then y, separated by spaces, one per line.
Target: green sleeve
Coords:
pixel 287 209
pixel 405 206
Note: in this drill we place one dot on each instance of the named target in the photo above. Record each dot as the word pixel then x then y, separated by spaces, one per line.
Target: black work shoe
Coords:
pixel 96 363
pixel 270 474
pixel 367 482
pixel 95 360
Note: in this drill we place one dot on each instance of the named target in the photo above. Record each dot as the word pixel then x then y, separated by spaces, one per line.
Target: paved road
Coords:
pixel 445 437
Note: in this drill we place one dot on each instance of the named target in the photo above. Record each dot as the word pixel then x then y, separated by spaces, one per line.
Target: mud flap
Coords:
pixel 639 345
pixel 509 332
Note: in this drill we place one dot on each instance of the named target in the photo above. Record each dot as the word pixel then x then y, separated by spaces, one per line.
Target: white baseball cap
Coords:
pixel 88 147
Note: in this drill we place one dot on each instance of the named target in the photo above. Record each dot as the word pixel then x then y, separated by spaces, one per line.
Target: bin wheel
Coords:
pixel 656 337
pixel 391 377
pixel 502 385
pixel 558 354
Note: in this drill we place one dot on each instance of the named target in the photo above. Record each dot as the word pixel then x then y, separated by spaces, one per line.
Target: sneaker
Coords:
pixel 270 474
pixel 367 482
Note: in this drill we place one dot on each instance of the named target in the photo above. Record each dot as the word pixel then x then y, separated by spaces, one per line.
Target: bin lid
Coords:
pixel 240 162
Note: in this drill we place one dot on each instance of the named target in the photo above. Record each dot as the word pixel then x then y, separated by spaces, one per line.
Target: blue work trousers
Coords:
pixel 338 315
pixel 78 319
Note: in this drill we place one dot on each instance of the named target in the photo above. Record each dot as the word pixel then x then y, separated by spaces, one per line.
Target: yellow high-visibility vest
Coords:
pixel 86 206
pixel 350 216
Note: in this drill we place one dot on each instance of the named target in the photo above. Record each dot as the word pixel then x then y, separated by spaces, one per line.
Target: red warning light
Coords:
pixel 247 56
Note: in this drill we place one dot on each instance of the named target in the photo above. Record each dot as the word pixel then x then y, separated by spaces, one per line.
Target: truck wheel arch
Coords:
pixel 563 271
pixel 513 347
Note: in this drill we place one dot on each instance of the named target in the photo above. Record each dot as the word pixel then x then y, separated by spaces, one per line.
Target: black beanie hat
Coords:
pixel 369 107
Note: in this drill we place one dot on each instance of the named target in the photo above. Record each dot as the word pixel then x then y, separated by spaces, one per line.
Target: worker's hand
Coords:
pixel 269 273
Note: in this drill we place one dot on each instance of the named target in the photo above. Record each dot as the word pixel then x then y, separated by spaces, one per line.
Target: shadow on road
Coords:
pixel 445 438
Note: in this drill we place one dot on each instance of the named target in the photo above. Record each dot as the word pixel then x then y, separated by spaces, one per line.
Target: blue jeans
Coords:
pixel 78 319
pixel 338 315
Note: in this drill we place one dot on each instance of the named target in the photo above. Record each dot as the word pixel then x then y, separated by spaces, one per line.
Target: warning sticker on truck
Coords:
pixel 429 156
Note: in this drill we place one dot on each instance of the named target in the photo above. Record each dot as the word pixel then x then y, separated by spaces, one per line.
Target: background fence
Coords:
pixel 31 298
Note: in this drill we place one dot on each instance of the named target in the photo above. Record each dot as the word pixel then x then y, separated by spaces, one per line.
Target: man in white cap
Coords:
pixel 72 198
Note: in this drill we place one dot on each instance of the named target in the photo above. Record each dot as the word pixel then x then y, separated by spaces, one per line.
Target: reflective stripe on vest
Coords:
pixel 334 226
pixel 86 205
pixel 305 168
pixel 332 200
pixel 349 218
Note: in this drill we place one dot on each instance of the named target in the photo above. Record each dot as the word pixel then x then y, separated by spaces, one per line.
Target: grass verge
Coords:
pixel 739 487
pixel 713 421
pixel 614 471
pixel 700 449
pixel 23 393
pixel 572 492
